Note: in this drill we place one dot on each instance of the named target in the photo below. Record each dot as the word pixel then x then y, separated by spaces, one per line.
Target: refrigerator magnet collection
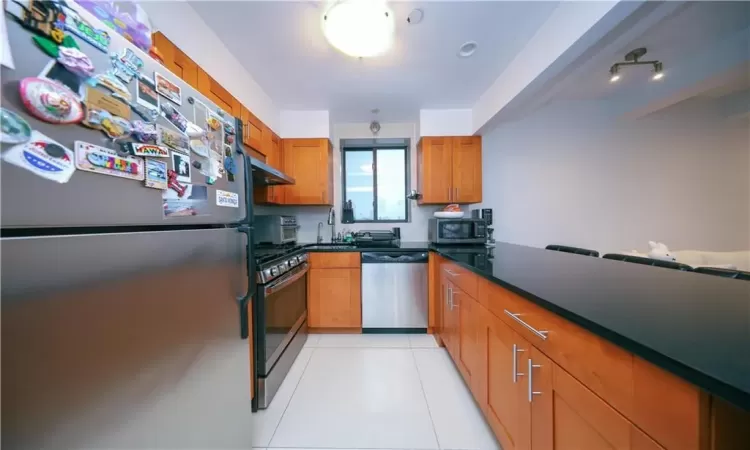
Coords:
pixel 73 89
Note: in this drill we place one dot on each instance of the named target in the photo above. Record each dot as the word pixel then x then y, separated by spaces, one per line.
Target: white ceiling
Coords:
pixel 693 28
pixel 282 46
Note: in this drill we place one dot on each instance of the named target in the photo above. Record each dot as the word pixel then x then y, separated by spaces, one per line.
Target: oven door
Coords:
pixel 283 310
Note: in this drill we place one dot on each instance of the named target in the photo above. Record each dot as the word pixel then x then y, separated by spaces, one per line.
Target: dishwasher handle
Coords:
pixel 394 257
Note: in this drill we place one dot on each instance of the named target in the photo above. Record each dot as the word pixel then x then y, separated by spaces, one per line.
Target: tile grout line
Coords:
pixel 424 394
pixel 291 397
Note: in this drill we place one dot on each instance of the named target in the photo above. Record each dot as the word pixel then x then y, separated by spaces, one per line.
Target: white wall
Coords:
pixel 309 216
pixel 304 124
pixel 445 122
pixel 570 175
pixel 182 25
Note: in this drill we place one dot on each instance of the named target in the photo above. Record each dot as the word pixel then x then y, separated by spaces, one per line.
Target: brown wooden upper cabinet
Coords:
pixel 310 163
pixel 216 92
pixel 449 169
pixel 252 130
pixel 175 60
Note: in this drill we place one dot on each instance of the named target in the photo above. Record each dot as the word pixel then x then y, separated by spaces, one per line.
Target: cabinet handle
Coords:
pixel 453 274
pixel 452 302
pixel 540 333
pixel 532 392
pixel 516 373
pixel 450 194
pixel 450 297
pixel 455 197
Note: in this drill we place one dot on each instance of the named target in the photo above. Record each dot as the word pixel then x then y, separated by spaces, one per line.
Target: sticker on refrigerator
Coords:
pixel 76 25
pixel 172 139
pixel 156 174
pixel 228 199
pixel 126 66
pixel 181 166
pixel 145 93
pixel 15 130
pixel 93 158
pixel 169 90
pixel 101 100
pixel 194 202
pixel 174 117
pixel 43 157
pixel 110 82
pixel 50 101
pixel 153 151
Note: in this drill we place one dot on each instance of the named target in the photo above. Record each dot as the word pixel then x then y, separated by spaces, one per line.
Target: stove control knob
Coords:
pixel 274 271
pixel 292 262
pixel 267 274
pixel 302 257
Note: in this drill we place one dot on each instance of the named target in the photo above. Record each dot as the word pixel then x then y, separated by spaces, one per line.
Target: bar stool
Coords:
pixel 576 250
pixel 727 273
pixel 648 261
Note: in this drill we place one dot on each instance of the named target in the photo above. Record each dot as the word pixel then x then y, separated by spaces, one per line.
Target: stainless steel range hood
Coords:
pixel 265 175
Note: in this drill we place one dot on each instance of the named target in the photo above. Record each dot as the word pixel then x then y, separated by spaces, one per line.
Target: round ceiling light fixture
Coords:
pixel 415 16
pixel 359 28
pixel 467 49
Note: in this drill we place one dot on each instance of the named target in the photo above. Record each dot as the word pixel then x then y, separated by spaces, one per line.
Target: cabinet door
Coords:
pixel 565 415
pixel 334 298
pixel 434 161
pixel 468 345
pixel 252 130
pixel 473 345
pixel 467 169
pixel 175 60
pixel 309 162
pixel 215 92
pixel 444 315
pixel 508 411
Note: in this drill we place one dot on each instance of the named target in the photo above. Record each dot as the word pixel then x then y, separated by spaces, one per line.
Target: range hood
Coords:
pixel 265 175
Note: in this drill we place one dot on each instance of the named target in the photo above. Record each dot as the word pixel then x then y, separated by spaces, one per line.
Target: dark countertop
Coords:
pixel 693 325
pixel 342 247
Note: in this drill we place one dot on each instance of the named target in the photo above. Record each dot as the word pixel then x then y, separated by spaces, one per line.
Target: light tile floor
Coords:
pixel 360 391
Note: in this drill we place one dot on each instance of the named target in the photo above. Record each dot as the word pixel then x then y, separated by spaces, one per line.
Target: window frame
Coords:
pixel 372 149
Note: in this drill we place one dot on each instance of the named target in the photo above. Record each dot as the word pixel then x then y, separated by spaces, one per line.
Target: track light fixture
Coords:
pixel 614 72
pixel 633 59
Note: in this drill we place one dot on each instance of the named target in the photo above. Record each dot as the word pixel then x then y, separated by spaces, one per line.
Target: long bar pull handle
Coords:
pixel 540 333
pixel 516 373
pixel 450 298
pixel 532 392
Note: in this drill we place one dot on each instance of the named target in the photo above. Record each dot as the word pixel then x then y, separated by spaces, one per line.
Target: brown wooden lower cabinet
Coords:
pixel 507 411
pixel 573 390
pixel 334 298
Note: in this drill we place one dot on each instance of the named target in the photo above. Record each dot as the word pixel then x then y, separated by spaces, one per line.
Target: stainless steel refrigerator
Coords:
pixel 121 327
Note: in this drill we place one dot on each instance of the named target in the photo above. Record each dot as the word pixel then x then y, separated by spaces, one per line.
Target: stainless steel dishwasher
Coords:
pixel 394 291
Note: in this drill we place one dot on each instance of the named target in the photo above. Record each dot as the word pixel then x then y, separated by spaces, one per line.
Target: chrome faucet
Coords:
pixel 332 223
pixel 320 235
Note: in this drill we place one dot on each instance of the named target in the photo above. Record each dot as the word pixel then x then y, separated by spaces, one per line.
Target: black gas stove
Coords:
pixel 273 261
pixel 279 314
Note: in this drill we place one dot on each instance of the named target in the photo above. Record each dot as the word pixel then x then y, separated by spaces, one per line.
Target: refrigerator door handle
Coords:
pixel 244 299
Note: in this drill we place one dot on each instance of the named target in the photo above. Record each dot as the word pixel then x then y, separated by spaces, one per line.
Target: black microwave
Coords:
pixel 457 231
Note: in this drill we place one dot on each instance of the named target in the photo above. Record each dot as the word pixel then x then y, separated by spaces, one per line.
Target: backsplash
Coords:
pixel 309 216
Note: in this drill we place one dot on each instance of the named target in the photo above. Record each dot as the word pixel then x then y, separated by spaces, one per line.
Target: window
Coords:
pixel 375 183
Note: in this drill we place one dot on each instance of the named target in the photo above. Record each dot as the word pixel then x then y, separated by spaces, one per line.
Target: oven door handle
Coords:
pixel 277 286
pixel 243 300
